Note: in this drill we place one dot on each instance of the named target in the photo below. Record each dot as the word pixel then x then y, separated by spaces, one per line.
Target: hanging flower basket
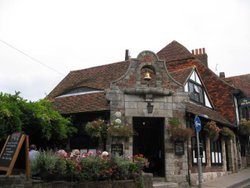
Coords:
pixel 96 128
pixel 227 133
pixel 212 130
pixel 244 128
pixel 116 129
pixel 178 133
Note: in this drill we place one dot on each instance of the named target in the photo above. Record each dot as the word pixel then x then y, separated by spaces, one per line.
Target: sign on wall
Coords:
pixel 179 147
pixel 117 149
pixel 245 102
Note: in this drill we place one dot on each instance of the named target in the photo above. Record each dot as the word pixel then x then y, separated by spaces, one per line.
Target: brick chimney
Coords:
pixel 201 55
pixel 222 74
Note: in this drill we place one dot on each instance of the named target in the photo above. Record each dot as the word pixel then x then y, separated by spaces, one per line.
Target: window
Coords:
pixel 80 91
pixel 245 112
pixel 216 152
pixel 196 92
pixel 202 151
pixel 196 89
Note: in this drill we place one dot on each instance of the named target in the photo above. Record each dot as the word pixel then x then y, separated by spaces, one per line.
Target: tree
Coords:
pixel 37 119
pixel 10 114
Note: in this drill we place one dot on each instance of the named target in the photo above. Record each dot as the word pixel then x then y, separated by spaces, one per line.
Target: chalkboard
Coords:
pixel 117 149
pixel 10 152
pixel 179 147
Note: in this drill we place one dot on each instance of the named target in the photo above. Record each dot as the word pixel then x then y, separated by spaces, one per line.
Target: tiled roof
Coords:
pixel 182 74
pixel 178 60
pixel 174 51
pixel 95 77
pixel 81 103
pixel 241 82
pixel 218 90
pixel 201 110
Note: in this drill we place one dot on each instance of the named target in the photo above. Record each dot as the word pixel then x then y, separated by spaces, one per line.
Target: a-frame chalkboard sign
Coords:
pixel 10 152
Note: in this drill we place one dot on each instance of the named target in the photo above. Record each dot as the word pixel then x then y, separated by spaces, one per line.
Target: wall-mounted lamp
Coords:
pixel 150 108
pixel 147 76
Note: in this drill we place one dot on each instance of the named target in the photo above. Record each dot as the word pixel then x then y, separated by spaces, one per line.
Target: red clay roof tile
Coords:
pixel 95 77
pixel 218 90
pixel 174 51
pixel 182 74
pixel 81 103
pixel 177 58
pixel 241 82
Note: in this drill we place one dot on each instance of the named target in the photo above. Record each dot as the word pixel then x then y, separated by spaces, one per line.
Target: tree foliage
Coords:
pixel 36 119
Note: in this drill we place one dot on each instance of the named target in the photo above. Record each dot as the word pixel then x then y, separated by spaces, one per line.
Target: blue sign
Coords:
pixel 197 123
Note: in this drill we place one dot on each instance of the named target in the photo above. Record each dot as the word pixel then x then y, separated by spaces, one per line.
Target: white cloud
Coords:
pixel 68 35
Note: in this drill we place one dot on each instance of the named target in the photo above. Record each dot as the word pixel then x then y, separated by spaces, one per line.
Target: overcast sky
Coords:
pixel 41 41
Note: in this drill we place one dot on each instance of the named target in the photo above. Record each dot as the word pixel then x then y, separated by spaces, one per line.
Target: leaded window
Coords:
pixel 216 152
pixel 196 92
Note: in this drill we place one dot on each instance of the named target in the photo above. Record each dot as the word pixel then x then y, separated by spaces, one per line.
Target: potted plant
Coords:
pixel 212 130
pixel 177 132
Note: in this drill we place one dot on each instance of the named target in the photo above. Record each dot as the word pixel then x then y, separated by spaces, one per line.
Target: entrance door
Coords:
pixel 149 141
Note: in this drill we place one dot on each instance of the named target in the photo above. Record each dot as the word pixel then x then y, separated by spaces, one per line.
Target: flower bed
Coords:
pixel 50 166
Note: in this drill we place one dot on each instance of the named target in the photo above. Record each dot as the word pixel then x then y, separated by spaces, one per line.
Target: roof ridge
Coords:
pixel 185 68
pixel 248 74
pixel 174 51
pixel 98 66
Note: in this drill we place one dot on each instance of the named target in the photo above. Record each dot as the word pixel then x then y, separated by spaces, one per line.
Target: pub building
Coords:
pixel 147 93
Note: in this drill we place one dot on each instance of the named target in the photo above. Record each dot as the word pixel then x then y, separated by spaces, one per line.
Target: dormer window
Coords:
pixel 197 92
pixel 79 91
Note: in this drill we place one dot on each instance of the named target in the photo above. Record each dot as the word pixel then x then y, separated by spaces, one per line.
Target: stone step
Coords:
pixel 165 185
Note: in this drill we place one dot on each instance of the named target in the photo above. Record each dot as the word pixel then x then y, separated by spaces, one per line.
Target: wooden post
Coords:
pixel 27 166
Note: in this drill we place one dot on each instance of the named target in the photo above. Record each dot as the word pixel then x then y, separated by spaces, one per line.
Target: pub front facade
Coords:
pixel 147 93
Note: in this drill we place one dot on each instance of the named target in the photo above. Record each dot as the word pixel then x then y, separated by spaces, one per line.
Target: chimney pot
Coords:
pixel 196 51
pixel 126 54
pixel 200 52
pixel 204 51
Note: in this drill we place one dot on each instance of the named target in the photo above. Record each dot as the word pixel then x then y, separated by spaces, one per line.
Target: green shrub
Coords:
pixel 50 166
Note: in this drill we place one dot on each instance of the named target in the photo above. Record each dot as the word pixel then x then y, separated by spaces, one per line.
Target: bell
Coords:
pixel 147 76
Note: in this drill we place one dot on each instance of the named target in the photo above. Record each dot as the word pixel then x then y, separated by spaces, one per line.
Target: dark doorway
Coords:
pixel 149 141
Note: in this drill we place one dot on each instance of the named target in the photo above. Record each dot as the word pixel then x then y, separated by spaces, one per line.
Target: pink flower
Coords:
pixel 62 153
